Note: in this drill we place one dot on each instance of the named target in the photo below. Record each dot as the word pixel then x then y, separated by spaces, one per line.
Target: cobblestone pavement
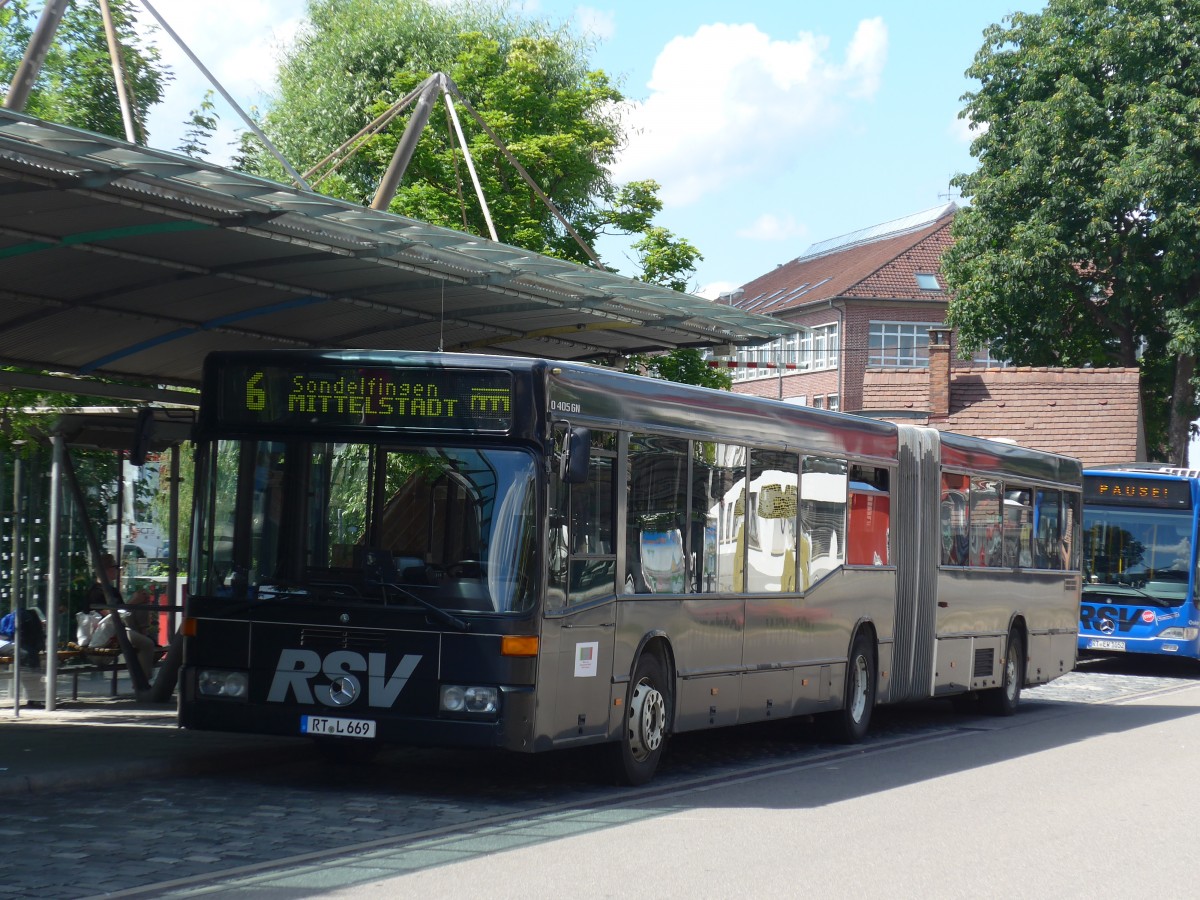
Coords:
pixel 115 838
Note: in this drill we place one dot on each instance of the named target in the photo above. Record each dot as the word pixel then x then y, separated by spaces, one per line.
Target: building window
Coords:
pixel 818 348
pixel 806 350
pixel 832 402
pixel 927 281
pixel 818 402
pixel 900 344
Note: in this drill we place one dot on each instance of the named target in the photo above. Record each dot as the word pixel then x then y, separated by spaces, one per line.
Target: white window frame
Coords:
pixel 807 349
pixel 909 344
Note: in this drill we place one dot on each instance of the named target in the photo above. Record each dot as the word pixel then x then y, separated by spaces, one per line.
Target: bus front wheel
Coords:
pixel 1002 701
pixel 647 722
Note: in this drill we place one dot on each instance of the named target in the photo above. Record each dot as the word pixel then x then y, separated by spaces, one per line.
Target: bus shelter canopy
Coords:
pixel 125 262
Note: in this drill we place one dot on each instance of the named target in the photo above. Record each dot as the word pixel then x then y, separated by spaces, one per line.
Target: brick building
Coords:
pixel 864 306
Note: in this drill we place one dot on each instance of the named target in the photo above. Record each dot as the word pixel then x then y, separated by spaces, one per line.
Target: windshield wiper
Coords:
pixel 446 617
pixel 1115 592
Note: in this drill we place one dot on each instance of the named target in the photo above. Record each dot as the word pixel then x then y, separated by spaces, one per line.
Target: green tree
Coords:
pixel 202 122
pixel 532 85
pixel 1081 240
pixel 75 85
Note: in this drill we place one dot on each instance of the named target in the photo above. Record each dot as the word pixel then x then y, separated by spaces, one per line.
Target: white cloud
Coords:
pixel 716 289
pixel 729 101
pixel 770 227
pixel 596 23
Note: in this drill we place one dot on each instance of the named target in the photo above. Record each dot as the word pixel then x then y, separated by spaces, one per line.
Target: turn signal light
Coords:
pixel 519 645
pixel 188 627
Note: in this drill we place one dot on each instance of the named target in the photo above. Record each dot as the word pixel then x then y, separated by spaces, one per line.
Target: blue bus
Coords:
pixel 1139 561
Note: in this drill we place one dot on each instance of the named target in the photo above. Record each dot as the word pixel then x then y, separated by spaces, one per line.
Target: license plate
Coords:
pixel 354 728
pixel 1101 644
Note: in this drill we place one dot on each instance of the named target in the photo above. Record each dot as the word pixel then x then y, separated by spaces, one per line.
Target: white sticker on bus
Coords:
pixel 585 659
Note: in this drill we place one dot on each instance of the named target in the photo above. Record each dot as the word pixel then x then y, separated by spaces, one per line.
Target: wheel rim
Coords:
pixel 647 720
pixel 1010 676
pixel 858 689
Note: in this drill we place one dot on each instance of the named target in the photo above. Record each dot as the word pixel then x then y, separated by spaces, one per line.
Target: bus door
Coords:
pixel 581 597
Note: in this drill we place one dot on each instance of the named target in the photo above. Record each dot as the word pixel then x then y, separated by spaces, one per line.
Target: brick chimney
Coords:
pixel 939 372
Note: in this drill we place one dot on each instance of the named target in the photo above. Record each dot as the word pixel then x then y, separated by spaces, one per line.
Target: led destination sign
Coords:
pixel 1114 490
pixel 423 398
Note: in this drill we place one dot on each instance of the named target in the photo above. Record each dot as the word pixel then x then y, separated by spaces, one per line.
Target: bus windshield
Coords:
pixel 296 521
pixel 1148 550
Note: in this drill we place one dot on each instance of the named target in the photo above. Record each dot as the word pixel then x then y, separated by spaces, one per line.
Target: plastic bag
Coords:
pixel 85 627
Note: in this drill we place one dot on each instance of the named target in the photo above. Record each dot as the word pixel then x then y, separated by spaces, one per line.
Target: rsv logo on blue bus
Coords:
pixel 340 678
pixel 1111 619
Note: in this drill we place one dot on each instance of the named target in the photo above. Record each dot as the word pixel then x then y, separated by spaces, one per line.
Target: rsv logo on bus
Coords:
pixel 1107 619
pixel 296 670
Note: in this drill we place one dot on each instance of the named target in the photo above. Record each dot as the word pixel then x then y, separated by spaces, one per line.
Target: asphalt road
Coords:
pixel 1087 791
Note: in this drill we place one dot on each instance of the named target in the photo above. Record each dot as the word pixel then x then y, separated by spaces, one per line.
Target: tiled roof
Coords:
pixel 1091 414
pixel 882 263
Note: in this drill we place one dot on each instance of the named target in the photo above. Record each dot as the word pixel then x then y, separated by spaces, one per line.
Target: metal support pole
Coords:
pixel 462 140
pixel 118 67
pixel 56 443
pixel 173 554
pixel 15 580
pixel 390 182
pixel 35 55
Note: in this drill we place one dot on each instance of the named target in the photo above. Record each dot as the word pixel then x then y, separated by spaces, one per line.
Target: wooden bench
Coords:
pixel 83 662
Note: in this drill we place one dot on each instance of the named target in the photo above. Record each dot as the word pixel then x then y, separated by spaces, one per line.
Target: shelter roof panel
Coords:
pixel 122 261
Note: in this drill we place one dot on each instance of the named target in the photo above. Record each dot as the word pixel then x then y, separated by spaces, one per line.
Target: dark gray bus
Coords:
pixel 461 550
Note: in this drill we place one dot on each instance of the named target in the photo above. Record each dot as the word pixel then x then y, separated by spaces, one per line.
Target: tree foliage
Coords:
pixel 201 123
pixel 687 366
pixel 76 85
pixel 529 81
pixel 1081 240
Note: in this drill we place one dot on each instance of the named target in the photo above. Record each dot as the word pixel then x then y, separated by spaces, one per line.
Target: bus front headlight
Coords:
pixel 222 683
pixel 469 700
pixel 1180 634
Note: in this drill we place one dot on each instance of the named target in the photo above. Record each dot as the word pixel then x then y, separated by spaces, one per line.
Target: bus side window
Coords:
pixel 580 552
pixel 986 523
pixel 1018 527
pixel 870 508
pixel 656 506
pixel 1047 530
pixel 956 490
pixel 823 502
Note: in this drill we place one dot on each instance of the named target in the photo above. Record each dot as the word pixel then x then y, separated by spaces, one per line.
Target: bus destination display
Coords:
pixel 1115 490
pixel 400 397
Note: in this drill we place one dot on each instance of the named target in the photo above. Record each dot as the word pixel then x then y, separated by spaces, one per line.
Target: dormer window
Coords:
pixel 927 281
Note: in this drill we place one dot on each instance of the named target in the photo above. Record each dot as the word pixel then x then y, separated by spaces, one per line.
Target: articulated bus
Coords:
pixel 462 550
pixel 1139 561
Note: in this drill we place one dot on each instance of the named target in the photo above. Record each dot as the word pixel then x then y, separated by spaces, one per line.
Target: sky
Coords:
pixel 769 125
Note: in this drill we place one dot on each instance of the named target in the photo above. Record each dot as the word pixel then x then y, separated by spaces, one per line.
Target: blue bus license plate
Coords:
pixel 1101 644
pixel 354 728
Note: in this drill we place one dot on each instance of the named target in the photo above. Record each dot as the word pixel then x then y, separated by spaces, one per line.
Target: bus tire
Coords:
pixel 1003 701
pixel 643 736
pixel 849 724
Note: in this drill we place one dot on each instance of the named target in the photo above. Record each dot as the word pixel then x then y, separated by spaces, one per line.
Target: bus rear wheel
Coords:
pixel 647 723
pixel 1003 701
pixel 849 724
